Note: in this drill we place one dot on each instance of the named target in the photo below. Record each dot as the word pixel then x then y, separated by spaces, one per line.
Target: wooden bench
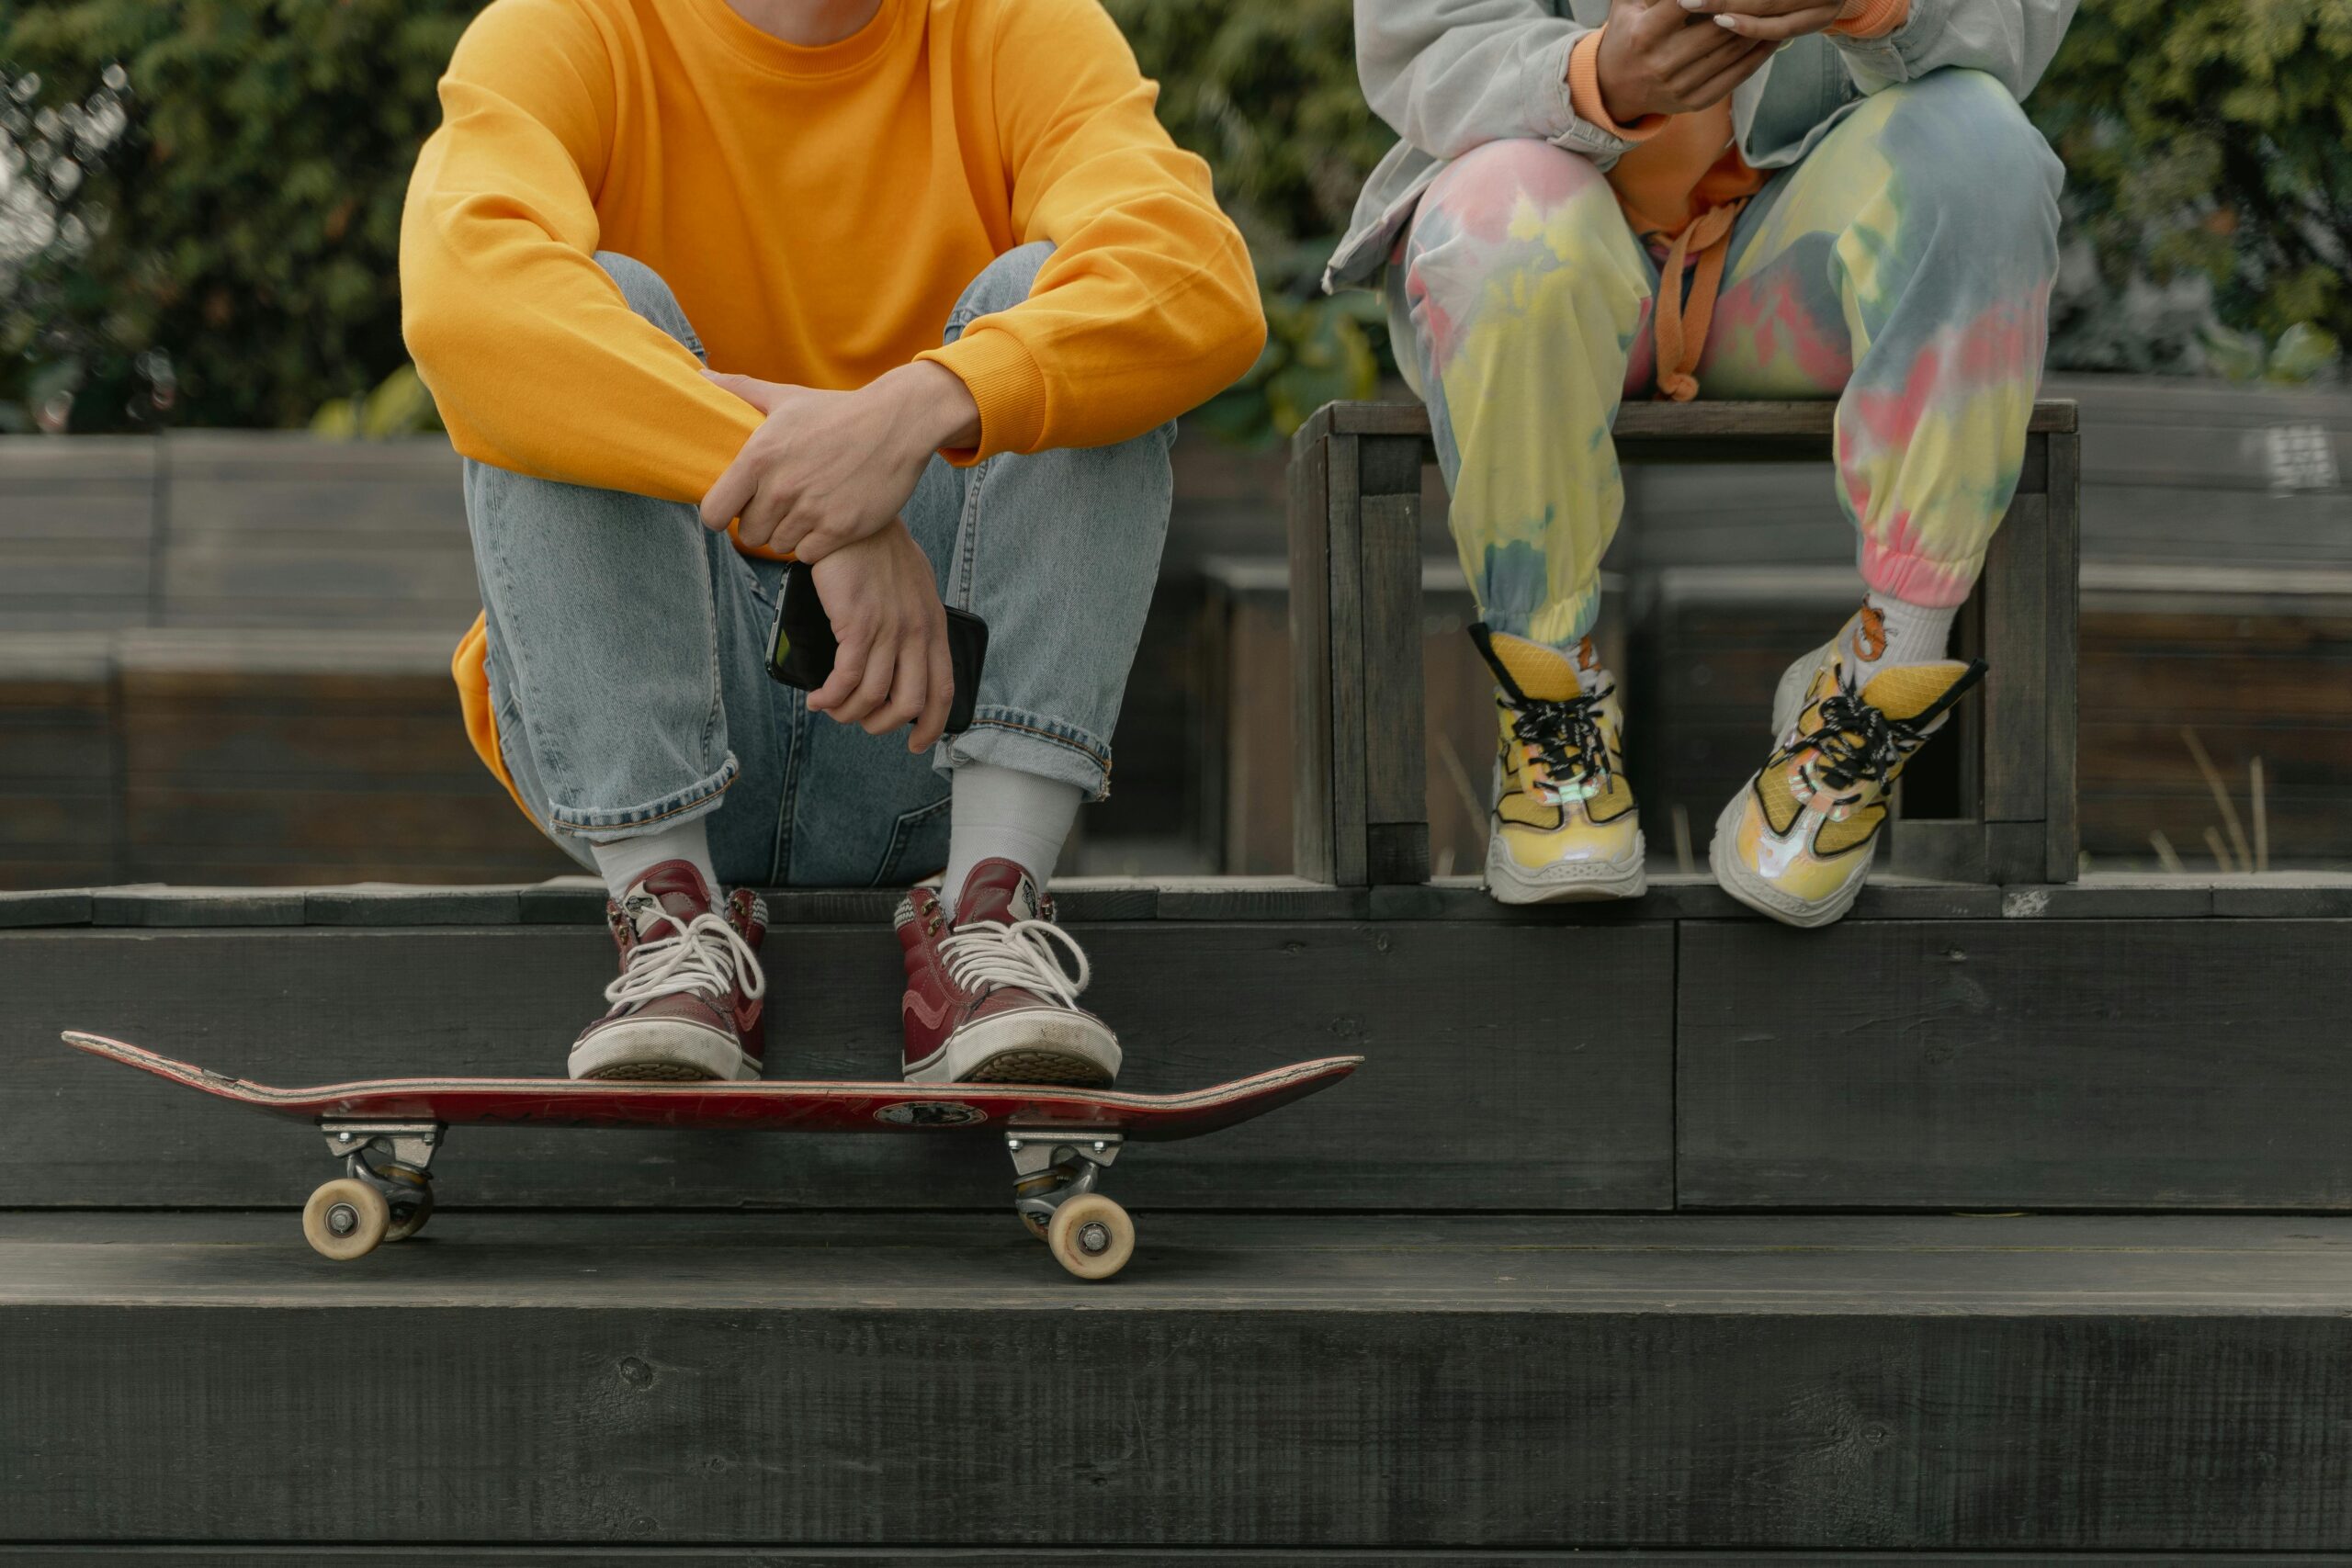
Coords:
pixel 2003 795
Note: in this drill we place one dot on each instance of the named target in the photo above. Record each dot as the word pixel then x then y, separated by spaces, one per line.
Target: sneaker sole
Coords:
pixel 1037 1047
pixel 661 1051
pixel 1734 877
pixel 1564 882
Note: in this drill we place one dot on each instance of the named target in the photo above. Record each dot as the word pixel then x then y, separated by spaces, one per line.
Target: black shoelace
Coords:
pixel 1564 734
pixel 1856 742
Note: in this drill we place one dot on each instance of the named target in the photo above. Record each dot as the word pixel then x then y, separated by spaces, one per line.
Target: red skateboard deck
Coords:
pixel 1061 1138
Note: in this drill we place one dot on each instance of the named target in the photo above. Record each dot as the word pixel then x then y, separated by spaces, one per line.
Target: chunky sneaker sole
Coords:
pixel 1564 882
pixel 1750 888
pixel 1043 1046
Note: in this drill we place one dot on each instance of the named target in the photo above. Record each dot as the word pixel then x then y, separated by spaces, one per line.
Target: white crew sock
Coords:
pixel 625 861
pixel 1005 813
pixel 1916 633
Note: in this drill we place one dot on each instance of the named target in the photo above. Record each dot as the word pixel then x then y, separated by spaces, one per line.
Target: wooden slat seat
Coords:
pixel 1361 815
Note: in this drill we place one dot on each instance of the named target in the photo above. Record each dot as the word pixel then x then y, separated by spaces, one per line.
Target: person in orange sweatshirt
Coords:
pixel 906 291
pixel 1596 199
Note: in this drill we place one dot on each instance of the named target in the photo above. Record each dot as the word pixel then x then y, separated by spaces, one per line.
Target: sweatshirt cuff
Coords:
pixel 1583 89
pixel 1006 384
pixel 1870 18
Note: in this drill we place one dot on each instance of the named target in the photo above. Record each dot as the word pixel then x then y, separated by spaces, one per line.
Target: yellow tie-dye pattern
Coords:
pixel 1582 286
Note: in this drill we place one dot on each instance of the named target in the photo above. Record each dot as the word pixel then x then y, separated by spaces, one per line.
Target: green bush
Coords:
pixel 2211 140
pixel 240 234
pixel 251 221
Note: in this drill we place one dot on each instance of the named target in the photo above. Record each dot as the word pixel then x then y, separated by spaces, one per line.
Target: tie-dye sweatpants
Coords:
pixel 1904 267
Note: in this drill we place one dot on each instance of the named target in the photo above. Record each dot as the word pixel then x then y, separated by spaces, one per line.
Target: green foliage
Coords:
pixel 240 233
pixel 399 406
pixel 252 237
pixel 2213 139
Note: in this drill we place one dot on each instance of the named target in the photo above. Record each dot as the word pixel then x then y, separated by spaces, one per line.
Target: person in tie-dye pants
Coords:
pixel 1904 267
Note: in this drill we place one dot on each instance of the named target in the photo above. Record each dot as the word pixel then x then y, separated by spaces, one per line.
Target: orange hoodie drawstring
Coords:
pixel 1680 330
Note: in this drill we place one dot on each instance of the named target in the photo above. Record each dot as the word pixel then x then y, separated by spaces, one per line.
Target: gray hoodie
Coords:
pixel 1449 75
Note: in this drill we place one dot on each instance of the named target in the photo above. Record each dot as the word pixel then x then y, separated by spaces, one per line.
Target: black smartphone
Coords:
pixel 801 646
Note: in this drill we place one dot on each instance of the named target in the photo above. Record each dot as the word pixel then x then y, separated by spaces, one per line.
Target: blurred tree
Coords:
pixel 2209 140
pixel 251 236
pixel 241 230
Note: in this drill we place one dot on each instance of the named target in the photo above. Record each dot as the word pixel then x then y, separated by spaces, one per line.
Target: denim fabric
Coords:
pixel 627 646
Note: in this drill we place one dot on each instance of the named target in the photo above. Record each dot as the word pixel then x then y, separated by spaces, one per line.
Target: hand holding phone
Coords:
pixel 863 631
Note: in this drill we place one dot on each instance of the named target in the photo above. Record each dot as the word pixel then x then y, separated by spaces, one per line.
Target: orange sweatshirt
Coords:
pixel 1683 182
pixel 817 211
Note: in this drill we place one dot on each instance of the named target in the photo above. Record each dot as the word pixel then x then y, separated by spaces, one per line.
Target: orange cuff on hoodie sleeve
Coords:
pixel 1870 18
pixel 1584 90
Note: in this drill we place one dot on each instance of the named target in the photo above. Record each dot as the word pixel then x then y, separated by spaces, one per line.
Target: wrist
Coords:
pixel 934 406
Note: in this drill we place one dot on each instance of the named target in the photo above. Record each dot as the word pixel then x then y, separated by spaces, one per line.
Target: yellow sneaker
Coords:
pixel 1796 843
pixel 1564 824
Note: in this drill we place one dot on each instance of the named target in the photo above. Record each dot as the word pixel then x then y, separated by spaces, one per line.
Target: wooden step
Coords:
pixel 2122 1043
pixel 901 1382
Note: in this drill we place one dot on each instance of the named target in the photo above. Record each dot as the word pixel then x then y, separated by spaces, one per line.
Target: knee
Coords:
pixel 644 291
pixel 1963 148
pixel 1003 284
pixel 1509 207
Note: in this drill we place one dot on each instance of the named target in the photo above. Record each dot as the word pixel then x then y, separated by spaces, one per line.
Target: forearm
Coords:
pixel 2012 41
pixel 1449 75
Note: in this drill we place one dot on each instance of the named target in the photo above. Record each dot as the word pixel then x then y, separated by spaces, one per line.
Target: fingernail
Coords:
pixel 1725 22
pixel 1692 4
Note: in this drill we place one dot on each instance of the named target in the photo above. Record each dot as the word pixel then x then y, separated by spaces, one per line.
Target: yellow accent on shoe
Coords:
pixel 1569 830
pixel 1796 842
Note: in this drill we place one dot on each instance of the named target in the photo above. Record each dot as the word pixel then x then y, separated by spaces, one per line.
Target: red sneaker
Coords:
pixel 988 1000
pixel 687 1002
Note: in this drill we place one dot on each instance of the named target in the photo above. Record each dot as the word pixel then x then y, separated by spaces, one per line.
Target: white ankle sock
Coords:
pixel 625 863
pixel 1005 813
pixel 1916 633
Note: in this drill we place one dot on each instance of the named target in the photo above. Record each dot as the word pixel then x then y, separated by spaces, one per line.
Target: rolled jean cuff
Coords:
pixel 1008 738
pixel 697 799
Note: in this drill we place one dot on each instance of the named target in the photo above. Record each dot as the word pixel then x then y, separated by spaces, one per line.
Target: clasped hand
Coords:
pixel 1677 56
pixel 824 478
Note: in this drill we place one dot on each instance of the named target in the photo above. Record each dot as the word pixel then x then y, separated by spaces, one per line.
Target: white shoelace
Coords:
pixel 984 955
pixel 691 961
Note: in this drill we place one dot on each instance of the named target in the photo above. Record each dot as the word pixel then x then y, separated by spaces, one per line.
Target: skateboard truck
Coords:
pixel 375 1200
pixel 1055 1171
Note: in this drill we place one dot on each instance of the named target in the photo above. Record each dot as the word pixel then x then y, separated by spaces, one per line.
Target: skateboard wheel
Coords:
pixel 346 1218
pixel 409 1217
pixel 1091 1236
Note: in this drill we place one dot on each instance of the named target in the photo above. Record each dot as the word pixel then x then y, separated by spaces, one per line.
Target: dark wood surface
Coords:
pixel 1104 1557
pixel 1797 1383
pixel 2015 1063
pixel 1582 1122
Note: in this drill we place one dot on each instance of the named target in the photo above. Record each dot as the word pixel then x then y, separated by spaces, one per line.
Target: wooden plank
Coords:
pixel 1342 659
pixel 2015 695
pixel 1105 1557
pixel 2017 1064
pixel 1394 761
pixel 1584 1122
pixel 1680 420
pixel 1312 808
pixel 1479 1384
pixel 2062 597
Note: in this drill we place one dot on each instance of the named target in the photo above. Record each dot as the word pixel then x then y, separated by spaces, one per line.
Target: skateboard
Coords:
pixel 386 1131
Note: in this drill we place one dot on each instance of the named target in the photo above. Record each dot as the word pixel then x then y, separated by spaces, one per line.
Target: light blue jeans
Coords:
pixel 628 647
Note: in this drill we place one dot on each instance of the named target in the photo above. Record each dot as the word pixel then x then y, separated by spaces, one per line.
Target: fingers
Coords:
pixel 872 689
pixel 734 489
pixel 848 672
pixel 1744 65
pixel 1696 53
pixel 1780 29
pixel 940 694
pixel 761 395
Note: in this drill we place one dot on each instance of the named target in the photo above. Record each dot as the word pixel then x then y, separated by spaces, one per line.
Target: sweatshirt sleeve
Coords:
pixel 537 361
pixel 1148 305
